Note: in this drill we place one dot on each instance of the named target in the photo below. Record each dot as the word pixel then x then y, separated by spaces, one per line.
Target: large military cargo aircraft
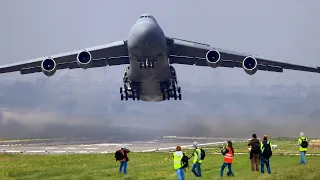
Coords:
pixel 149 54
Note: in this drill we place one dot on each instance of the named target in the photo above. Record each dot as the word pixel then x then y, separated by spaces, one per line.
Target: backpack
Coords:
pixel 304 143
pixel 203 154
pixel 267 153
pixel 255 149
pixel 185 161
pixel 118 155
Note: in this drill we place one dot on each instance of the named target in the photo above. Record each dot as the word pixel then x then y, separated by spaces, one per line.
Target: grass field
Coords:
pixel 158 165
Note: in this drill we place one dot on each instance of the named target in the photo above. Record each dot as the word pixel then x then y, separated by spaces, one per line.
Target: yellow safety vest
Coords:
pixel 195 154
pixel 177 161
pixel 300 141
pixel 262 147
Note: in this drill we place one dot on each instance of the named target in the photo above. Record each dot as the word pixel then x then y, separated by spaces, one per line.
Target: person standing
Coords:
pixel 177 163
pixel 266 153
pixel 303 148
pixel 196 160
pixel 254 144
pixel 228 159
pixel 124 160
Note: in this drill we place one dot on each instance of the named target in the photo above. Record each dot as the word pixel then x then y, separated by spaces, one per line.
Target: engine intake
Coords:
pixel 48 67
pixel 250 65
pixel 213 58
pixel 84 59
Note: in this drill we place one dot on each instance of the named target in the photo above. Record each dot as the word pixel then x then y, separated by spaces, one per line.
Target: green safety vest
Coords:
pixel 195 155
pixel 177 161
pixel 300 141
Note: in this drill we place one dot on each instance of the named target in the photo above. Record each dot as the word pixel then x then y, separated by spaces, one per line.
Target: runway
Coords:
pixel 87 147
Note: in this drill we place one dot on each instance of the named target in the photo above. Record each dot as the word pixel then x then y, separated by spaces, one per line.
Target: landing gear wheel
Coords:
pixel 179 90
pixel 179 96
pixel 126 97
pixel 175 97
pixel 121 97
pixel 121 90
pixel 168 93
pixel 163 96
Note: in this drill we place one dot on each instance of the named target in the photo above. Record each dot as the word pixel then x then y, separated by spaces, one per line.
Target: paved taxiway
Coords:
pixel 87 147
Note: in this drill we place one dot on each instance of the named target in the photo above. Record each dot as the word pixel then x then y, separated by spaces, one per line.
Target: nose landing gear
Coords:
pixel 147 64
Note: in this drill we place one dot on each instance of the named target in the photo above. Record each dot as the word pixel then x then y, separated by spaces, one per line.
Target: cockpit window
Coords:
pixel 146 16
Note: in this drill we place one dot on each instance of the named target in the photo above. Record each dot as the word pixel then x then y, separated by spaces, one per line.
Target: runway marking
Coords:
pixel 58 151
pixel 91 148
pixel 36 151
pixel 168 148
pixel 50 148
pixel 12 151
pixel 110 144
pixel 71 148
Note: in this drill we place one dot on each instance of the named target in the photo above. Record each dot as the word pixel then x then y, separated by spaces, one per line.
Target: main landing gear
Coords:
pixel 170 90
pixel 130 89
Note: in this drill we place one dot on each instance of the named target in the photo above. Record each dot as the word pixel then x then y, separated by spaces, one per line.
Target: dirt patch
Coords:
pixel 315 143
pixel 4 159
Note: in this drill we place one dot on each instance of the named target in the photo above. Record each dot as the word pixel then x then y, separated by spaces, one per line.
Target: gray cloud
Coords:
pixel 87 103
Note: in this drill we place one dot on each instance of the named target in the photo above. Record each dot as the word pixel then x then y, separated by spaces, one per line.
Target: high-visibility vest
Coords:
pixel 195 155
pixel 300 141
pixel 228 157
pixel 177 161
pixel 262 146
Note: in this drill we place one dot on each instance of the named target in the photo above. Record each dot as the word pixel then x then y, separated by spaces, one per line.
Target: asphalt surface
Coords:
pixel 83 146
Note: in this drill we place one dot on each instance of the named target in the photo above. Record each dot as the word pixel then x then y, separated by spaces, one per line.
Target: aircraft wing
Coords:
pixel 115 53
pixel 193 53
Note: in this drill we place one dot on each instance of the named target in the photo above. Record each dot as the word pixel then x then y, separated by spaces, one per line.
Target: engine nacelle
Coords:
pixel 250 65
pixel 48 67
pixel 84 59
pixel 213 58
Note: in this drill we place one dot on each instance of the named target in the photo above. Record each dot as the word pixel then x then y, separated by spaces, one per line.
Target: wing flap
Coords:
pixel 30 70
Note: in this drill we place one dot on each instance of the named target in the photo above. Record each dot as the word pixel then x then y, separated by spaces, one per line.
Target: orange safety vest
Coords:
pixel 228 157
pixel 122 151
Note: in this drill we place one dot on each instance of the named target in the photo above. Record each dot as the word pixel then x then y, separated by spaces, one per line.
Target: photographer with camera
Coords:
pixel 228 158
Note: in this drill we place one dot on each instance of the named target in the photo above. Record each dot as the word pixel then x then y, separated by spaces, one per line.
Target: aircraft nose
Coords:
pixel 145 39
pixel 145 32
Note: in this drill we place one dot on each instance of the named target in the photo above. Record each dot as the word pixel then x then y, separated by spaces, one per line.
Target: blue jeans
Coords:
pixel 265 161
pixel 124 165
pixel 198 166
pixel 224 165
pixel 303 157
pixel 180 173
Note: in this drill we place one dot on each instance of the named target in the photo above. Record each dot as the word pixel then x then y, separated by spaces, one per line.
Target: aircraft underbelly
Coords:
pixel 149 79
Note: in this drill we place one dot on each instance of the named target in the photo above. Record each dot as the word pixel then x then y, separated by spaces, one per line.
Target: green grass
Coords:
pixel 158 165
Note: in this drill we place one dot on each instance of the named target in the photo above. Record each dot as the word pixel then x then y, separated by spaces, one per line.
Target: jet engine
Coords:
pixel 213 58
pixel 48 67
pixel 250 65
pixel 84 59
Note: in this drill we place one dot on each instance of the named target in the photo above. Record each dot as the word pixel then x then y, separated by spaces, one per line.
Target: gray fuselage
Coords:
pixel 146 40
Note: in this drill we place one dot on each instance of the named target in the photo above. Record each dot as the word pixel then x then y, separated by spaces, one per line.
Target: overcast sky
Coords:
pixel 284 30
